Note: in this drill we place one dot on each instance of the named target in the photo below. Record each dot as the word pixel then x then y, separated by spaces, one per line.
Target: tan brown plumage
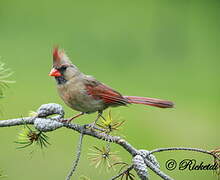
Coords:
pixel 86 94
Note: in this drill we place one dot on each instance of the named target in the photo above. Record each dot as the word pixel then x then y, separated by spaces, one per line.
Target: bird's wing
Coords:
pixel 101 91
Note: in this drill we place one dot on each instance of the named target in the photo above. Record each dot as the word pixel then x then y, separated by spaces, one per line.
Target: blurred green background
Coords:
pixel 155 48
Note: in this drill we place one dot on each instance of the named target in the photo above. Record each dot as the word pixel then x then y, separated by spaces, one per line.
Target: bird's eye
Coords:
pixel 62 68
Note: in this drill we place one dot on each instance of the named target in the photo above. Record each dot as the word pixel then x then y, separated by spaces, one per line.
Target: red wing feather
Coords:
pixel 107 94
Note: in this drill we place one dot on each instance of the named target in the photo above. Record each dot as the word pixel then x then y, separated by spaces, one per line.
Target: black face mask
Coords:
pixel 61 79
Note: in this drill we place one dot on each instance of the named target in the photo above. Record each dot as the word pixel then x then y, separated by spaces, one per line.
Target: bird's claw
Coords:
pixel 91 126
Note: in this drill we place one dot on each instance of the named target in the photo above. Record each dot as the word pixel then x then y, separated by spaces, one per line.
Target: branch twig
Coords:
pixel 184 149
pixel 75 163
pixel 123 172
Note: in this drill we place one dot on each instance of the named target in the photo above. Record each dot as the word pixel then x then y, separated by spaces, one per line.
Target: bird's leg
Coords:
pixel 102 116
pixel 97 118
pixel 74 117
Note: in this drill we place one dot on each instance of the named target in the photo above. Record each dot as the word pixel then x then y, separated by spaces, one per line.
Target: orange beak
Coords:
pixel 55 72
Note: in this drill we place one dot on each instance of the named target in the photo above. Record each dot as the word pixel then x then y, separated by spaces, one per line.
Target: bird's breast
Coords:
pixel 75 95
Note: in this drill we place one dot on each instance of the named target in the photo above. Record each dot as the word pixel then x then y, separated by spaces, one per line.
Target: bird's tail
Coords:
pixel 149 101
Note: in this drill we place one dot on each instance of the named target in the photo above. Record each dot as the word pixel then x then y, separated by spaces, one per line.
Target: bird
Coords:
pixel 86 94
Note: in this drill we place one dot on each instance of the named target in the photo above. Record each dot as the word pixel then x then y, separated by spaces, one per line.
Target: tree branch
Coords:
pixel 16 122
pixel 157 170
pixel 145 158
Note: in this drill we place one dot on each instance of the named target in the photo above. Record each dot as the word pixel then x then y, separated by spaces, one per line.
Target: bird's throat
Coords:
pixel 60 80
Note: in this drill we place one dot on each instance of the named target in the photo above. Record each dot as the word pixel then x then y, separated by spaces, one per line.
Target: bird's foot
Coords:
pixel 92 126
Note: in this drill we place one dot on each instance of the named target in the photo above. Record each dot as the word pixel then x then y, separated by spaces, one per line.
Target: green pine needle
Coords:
pixel 28 137
pixel 5 73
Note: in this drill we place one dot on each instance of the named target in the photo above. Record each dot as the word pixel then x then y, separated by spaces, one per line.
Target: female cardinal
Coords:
pixel 86 94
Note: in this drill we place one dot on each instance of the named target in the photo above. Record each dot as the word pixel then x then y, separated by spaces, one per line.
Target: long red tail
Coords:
pixel 149 101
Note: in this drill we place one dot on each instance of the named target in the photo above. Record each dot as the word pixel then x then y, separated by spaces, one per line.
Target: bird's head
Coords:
pixel 63 69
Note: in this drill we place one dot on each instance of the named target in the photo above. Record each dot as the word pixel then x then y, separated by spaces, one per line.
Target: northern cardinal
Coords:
pixel 86 94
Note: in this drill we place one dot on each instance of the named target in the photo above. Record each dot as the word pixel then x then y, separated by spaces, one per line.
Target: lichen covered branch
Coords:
pixel 142 159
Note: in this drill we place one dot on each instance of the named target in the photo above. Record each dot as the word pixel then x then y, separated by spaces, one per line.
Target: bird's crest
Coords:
pixel 59 57
pixel 56 56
